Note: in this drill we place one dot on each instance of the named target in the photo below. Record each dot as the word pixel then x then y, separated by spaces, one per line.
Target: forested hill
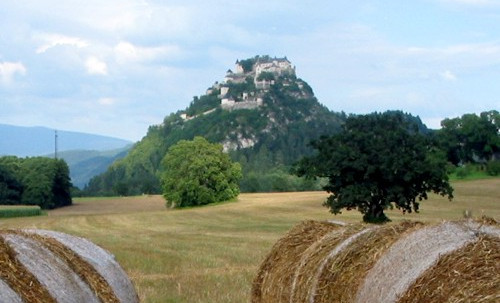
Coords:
pixel 263 115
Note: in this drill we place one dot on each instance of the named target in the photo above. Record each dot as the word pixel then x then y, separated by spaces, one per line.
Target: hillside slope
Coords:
pixel 263 115
pixel 85 164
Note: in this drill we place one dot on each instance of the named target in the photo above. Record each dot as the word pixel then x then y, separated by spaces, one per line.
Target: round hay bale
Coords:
pixel 406 262
pixel 48 266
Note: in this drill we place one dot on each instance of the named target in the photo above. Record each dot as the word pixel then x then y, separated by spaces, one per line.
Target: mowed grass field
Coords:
pixel 212 253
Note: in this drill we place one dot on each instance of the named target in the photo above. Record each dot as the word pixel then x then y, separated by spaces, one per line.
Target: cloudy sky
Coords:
pixel 114 67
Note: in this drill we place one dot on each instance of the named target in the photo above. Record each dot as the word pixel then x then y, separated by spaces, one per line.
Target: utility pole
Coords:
pixel 55 144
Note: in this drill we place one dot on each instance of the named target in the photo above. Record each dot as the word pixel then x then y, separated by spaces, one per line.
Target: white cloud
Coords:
pixel 96 66
pixel 9 69
pixel 448 75
pixel 126 51
pixel 53 40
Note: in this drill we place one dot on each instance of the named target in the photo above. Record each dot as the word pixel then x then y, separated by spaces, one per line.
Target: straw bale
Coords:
pixel 470 274
pixel 44 269
pixel 54 274
pixel 273 279
pixel 100 260
pixel 98 285
pixel 356 263
pixel 18 278
pixel 408 258
pixel 351 264
pixel 8 295
pixel 319 260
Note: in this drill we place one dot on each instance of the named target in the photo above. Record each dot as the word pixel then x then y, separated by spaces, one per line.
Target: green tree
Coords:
pixel 10 188
pixel 46 181
pixel 61 184
pixel 198 172
pixel 266 76
pixel 35 181
pixel 471 138
pixel 378 161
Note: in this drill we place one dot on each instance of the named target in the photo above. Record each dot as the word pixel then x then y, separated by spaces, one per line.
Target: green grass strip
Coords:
pixel 19 211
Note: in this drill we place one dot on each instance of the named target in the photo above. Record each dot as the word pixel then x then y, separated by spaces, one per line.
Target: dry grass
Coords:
pixel 212 254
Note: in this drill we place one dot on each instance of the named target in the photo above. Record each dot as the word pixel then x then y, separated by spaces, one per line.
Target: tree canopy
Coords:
pixel 35 181
pixel 378 161
pixel 198 172
pixel 471 138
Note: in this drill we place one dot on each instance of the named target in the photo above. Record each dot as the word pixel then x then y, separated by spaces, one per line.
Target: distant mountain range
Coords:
pixel 87 155
pixel 85 164
pixel 36 141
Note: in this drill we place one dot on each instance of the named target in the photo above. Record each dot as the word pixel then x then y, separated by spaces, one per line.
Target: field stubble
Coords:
pixel 212 253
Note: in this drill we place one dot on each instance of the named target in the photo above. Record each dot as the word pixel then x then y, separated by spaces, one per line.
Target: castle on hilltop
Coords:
pixel 252 78
pixel 263 70
pixel 267 64
pixel 259 66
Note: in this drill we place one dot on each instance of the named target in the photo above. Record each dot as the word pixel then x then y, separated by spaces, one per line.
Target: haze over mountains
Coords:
pixel 24 141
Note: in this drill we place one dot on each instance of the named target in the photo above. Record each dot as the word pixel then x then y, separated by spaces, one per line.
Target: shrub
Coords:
pixel 462 171
pixel 493 167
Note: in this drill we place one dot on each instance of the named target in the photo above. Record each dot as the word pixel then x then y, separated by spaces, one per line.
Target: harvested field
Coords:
pixel 212 254
pixel 112 205
pixel 46 266
pixel 406 262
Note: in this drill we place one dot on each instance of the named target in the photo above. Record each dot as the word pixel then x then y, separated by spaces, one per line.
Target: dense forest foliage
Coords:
pixel 34 181
pixel 471 138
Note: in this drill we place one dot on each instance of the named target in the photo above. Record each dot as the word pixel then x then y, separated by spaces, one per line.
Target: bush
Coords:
pixel 198 172
pixel 463 171
pixel 493 167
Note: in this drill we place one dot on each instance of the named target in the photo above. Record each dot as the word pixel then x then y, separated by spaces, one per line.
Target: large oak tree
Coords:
pixel 378 161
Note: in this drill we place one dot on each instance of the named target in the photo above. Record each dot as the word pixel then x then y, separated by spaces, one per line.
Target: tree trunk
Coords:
pixel 375 214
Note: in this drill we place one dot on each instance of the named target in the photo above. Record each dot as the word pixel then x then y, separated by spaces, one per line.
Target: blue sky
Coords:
pixel 115 67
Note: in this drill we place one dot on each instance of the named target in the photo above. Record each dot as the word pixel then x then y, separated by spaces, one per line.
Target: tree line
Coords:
pixel 471 138
pixel 375 162
pixel 34 181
